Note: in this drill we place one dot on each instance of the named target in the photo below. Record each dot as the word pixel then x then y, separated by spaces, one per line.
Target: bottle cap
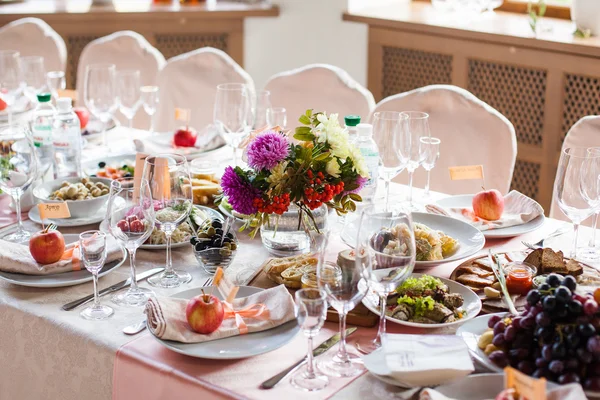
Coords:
pixel 352 120
pixel 364 129
pixel 44 97
pixel 63 104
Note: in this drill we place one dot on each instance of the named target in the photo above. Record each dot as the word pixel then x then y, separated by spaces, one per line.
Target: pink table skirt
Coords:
pixel 7 216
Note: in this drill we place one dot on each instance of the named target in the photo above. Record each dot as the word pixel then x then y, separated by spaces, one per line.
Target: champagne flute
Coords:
pixel 262 112
pixel 385 253
pixel 233 114
pixel 129 94
pixel 150 102
pixel 130 222
pixel 278 116
pixel 431 153
pixel 567 188
pixel 168 176
pixel 34 74
pixel 590 189
pixel 10 79
pixel 418 127
pixel 56 82
pixel 100 93
pixel 390 129
pixel 311 311
pixel 92 245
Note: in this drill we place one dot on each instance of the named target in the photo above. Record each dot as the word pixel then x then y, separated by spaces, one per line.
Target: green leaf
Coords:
pixel 322 157
pixel 304 120
pixel 309 112
pixel 352 206
pixel 303 134
pixel 355 197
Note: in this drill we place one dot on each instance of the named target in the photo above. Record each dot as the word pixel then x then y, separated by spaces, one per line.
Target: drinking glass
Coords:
pixel 100 93
pixel 311 311
pixel 167 175
pixel 131 221
pixel 56 81
pixel 412 151
pixel 278 116
pixel 567 188
pixel 34 74
pixel 92 245
pixel 262 110
pixel 431 153
pixel 390 130
pixel 17 172
pixel 590 189
pixel 10 79
pixel 233 114
pixel 150 102
pixel 129 94
pixel 385 254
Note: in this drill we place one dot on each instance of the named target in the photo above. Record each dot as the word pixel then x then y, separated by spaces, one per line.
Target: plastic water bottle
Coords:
pixel 41 129
pixel 66 138
pixel 351 122
pixel 368 148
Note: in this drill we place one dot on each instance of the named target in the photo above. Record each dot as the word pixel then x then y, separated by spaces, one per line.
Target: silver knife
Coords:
pixel 322 348
pixel 113 288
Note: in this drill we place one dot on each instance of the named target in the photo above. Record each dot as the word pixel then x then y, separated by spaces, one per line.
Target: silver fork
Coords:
pixel 539 244
pixel 208 282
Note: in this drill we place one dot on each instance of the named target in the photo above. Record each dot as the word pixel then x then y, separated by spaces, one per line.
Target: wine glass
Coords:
pixel 262 112
pixel 130 222
pixel 150 102
pixel 311 311
pixel 278 116
pixel 412 151
pixel 167 175
pixel 33 74
pixel 233 114
pixel 100 93
pixel 385 253
pixel 567 188
pixel 10 79
pixel 431 153
pixel 92 245
pixel 129 94
pixel 390 129
pixel 590 189
pixel 56 82
pixel 18 170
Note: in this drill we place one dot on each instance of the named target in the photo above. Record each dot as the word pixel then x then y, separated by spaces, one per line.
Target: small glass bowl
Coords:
pixel 212 258
pixel 330 274
pixel 530 269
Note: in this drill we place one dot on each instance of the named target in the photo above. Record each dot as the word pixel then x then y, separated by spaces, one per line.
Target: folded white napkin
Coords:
pixel 16 258
pixel 571 391
pixel 518 209
pixel 208 139
pixel 167 319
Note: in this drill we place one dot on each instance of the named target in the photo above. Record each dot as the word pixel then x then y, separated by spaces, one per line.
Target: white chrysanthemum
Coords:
pixel 333 168
pixel 359 161
pixel 330 131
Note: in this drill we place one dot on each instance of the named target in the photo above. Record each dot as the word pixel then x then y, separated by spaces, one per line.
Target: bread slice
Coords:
pixel 553 262
pixel 473 280
pixel 574 268
pixel 535 258
pixel 475 270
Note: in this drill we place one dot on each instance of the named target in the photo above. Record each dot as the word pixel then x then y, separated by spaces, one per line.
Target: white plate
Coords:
pixel 478 386
pixel 228 213
pixel 235 347
pixel 465 201
pixel 208 141
pixel 472 304
pixel 470 239
pixel 61 280
pixel 99 215
pixel 93 128
pixel 90 167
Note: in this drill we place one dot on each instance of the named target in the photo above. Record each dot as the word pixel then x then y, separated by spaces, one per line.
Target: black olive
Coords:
pixel 101 164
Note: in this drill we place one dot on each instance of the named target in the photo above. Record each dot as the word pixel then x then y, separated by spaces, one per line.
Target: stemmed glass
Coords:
pixel 311 311
pixel 100 93
pixel 390 129
pixel 412 151
pixel 10 79
pixel 17 173
pixel 167 174
pixel 278 116
pixel 150 102
pixel 385 253
pixel 233 114
pixel 567 188
pixel 56 81
pixel 590 189
pixel 34 73
pixel 431 153
pixel 92 245
pixel 131 221
pixel 129 94
pixel 262 111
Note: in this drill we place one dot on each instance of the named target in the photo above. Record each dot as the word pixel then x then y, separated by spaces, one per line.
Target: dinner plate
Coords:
pixel 465 201
pixel 64 279
pixel 472 304
pixel 226 212
pixel 478 386
pixel 94 127
pixel 99 215
pixel 90 167
pixel 235 347
pixel 208 141
pixel 470 239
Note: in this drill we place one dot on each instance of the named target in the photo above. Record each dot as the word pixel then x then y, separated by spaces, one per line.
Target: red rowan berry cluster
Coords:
pixel 278 205
pixel 317 193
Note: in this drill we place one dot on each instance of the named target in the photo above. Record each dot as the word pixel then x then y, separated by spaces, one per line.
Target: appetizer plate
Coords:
pixel 235 347
pixel 226 212
pixel 61 280
pixel 472 304
pixel 99 215
pixel 470 239
pixel 90 167
pixel 465 201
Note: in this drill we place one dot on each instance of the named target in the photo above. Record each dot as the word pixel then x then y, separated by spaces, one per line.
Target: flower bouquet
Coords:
pixel 318 166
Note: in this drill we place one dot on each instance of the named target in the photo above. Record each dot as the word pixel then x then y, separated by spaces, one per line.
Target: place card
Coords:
pixel 227 289
pixel 182 114
pixel 54 210
pixel 466 172
pixel 140 158
pixel 526 386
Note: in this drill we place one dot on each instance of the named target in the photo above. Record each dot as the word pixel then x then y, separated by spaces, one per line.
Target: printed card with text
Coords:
pixel 140 158
pixel 54 210
pixel 466 172
pixel 527 387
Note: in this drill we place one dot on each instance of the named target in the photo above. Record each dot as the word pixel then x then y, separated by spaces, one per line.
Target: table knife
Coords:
pixel 322 348
pixel 113 288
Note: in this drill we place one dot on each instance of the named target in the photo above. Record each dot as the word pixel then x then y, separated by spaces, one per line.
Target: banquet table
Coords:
pixel 48 353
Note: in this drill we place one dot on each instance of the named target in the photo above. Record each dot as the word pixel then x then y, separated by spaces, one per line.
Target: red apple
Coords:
pixel 185 137
pixel 47 246
pixel 84 116
pixel 204 313
pixel 488 204
pixel 3 105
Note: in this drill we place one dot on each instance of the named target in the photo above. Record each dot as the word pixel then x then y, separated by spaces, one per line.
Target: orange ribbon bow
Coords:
pixel 257 311
pixel 74 254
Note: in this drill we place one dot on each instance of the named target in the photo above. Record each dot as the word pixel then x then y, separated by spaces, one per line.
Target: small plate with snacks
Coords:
pixel 92 218
pixel 113 167
pixel 83 195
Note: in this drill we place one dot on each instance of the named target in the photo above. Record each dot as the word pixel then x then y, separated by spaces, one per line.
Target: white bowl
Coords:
pixel 78 208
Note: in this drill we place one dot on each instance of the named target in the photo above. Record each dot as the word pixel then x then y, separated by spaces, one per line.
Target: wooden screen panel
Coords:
pixel 516 92
pixel 581 98
pixel 75 45
pixel 526 178
pixel 406 69
pixel 174 44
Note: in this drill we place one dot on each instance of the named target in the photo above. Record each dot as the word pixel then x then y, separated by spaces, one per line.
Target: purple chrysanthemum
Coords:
pixel 240 194
pixel 360 181
pixel 267 150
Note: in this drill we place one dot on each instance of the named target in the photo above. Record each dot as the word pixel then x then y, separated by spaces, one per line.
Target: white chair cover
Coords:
pixel 34 37
pixel 471 133
pixel 189 81
pixel 585 133
pixel 321 87
pixel 127 50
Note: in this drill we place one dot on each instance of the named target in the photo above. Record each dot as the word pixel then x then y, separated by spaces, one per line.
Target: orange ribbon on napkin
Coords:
pixel 258 311
pixel 73 254
pixel 471 215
